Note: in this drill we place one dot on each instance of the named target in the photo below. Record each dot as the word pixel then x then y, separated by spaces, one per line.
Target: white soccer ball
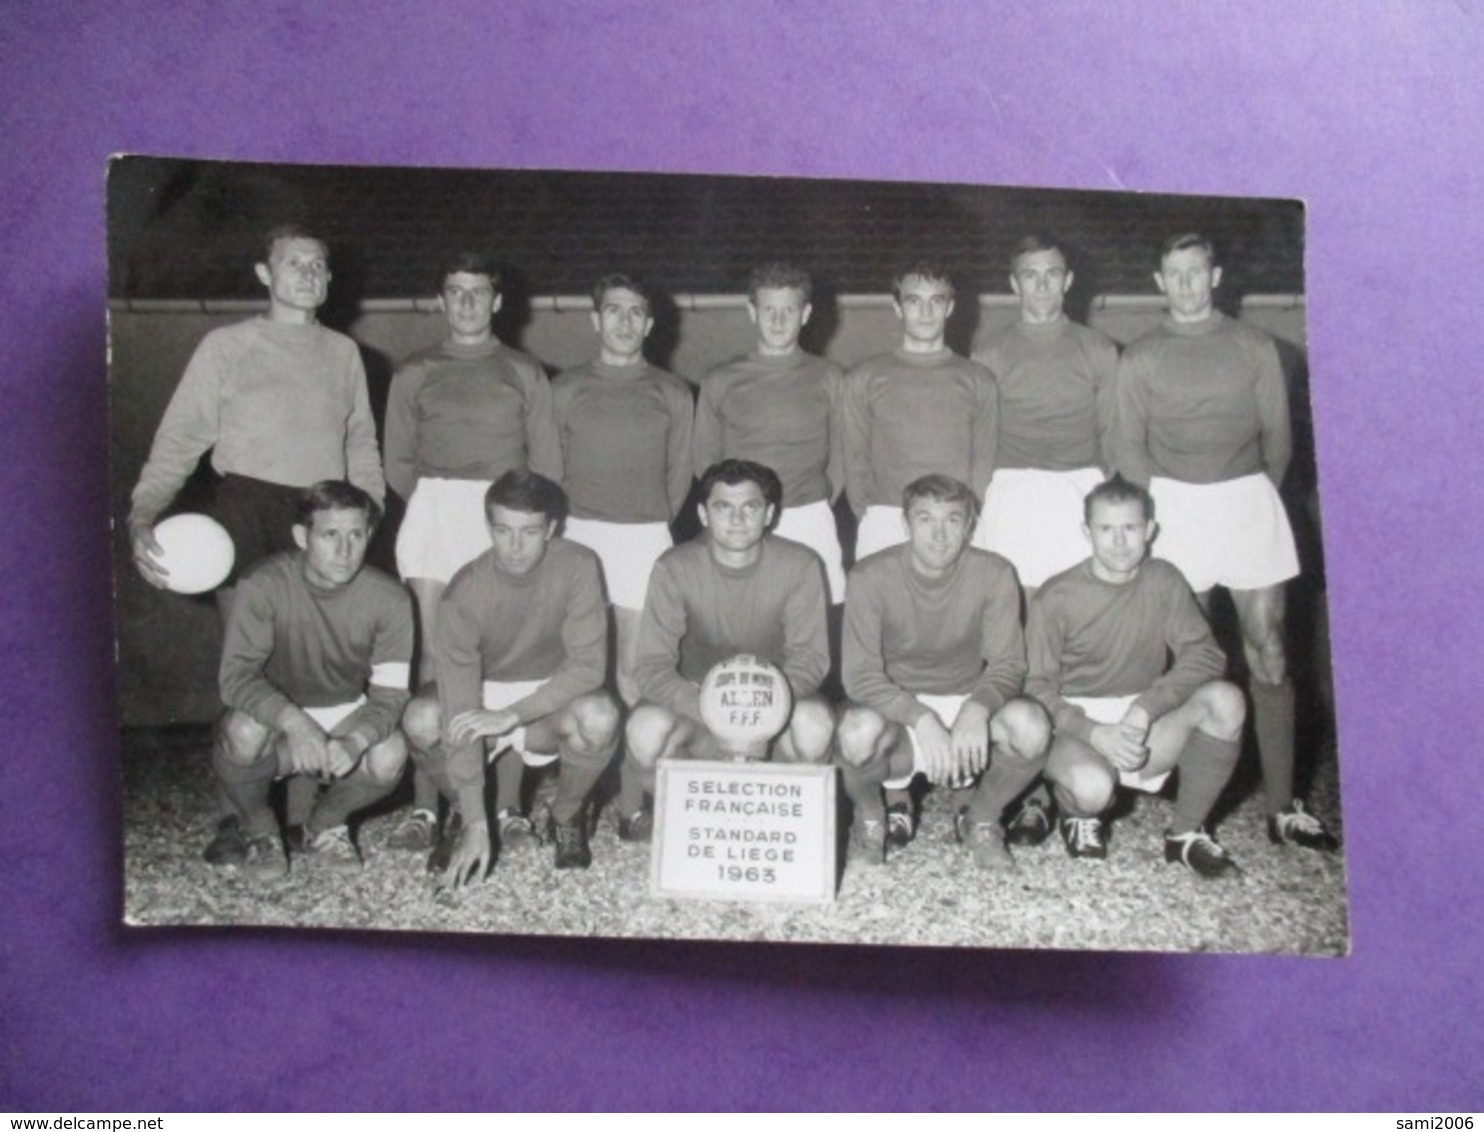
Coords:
pixel 197 552
pixel 745 701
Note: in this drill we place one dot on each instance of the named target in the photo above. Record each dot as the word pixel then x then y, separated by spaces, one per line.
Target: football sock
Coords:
pixel 510 772
pixel 424 791
pixel 245 788
pixel 355 791
pixel 1206 763
pixel 633 782
pixel 579 773
pixel 1008 775
pixel 303 792
pixel 434 766
pixel 1272 719
pixel 863 786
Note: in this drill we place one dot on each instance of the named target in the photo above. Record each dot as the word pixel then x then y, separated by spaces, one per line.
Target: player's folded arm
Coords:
pixel 247 644
pixel 376 719
pixel 1003 649
pixel 399 451
pixel 1131 419
pixel 362 453
pixel 1198 659
pixel 657 655
pixel 806 659
pixel 986 432
pixel 585 655
pixel 543 445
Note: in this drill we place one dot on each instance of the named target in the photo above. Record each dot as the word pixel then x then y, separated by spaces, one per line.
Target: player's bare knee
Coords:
pixel 646 733
pixel 859 735
pixel 1023 729
pixel 1225 709
pixel 596 719
pixel 422 721
pixel 385 760
pixel 1087 787
pixel 241 739
pixel 1084 782
pixel 811 730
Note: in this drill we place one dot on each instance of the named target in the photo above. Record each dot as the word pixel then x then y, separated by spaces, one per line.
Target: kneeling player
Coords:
pixel 934 659
pixel 314 675
pixel 522 643
pixel 1100 638
pixel 736 589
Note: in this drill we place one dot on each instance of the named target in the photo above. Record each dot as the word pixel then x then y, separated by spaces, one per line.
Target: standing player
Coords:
pixel 281 403
pixel 916 410
pixel 1202 421
pixel 1101 636
pixel 625 430
pixel 1056 381
pixel 522 643
pixel 459 415
pixel 735 589
pixel 934 659
pixel 779 407
pixel 314 675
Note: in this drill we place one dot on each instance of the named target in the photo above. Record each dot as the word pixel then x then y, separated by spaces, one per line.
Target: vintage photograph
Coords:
pixel 974 529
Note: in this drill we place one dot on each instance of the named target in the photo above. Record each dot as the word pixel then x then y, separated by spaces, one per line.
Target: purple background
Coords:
pixel 1371 113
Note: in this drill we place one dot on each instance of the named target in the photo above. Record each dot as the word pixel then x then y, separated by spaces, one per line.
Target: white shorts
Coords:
pixel 1034 518
pixel 814 525
pixel 1233 534
pixel 331 717
pixel 946 708
pixel 1111 709
pixel 444 528
pixel 497 696
pixel 880 527
pixel 328 718
pixel 628 552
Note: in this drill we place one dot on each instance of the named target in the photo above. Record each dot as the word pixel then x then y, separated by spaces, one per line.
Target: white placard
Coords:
pixel 744 831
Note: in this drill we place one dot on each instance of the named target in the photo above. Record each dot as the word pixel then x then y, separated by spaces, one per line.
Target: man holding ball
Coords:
pixel 281 403
pixel 735 589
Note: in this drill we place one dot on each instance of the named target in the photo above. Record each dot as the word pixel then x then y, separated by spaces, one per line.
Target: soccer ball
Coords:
pixel 197 552
pixel 745 702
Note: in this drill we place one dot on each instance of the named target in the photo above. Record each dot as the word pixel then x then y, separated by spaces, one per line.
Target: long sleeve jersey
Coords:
pixel 550 624
pixel 625 433
pixel 954 635
pixel 1088 637
pixel 699 612
pixel 278 402
pixel 1056 384
pixel 469 413
pixel 906 415
pixel 783 412
pixel 288 641
pixel 1202 402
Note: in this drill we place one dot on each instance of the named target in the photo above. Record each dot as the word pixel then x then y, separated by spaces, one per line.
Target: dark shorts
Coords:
pixel 258 515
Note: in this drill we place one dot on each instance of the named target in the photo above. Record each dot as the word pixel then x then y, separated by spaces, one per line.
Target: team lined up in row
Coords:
pixel 1197 409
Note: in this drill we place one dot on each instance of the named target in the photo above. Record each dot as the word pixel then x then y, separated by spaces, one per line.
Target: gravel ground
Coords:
pixel 1287 900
